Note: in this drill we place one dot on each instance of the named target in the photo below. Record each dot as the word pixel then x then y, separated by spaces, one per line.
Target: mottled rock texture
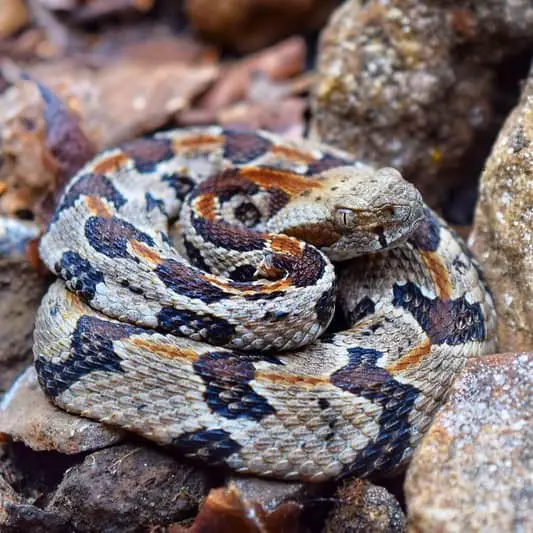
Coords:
pixel 27 416
pixel 127 488
pixel 411 83
pixel 365 508
pixel 21 290
pixel 474 469
pixel 503 228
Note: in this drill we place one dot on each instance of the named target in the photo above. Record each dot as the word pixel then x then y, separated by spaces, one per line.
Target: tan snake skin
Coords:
pixel 189 311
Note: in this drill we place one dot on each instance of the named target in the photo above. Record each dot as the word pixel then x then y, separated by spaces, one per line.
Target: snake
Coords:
pixel 269 306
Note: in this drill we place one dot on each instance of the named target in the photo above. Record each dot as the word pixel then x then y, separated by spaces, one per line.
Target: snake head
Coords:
pixel 368 210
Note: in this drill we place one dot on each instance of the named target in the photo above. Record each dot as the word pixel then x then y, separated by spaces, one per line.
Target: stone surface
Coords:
pixel 24 517
pixel 503 230
pixel 391 90
pixel 127 488
pixel 365 508
pixel 474 469
pixel 412 84
pixel 21 290
pixel 247 25
pixel 8 497
pixel 26 415
pixel 500 27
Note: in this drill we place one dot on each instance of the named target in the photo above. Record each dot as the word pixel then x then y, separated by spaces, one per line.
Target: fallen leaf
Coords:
pixel 226 510
pixel 279 62
pixel 42 144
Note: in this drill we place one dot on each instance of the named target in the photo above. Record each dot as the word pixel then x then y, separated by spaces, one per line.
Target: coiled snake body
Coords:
pixel 189 310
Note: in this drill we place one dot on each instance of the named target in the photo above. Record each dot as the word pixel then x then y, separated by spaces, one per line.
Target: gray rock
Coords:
pixel 503 229
pixel 474 469
pixel 22 518
pixel 21 290
pixel 391 91
pixel 365 508
pixel 8 497
pixel 411 84
pixel 127 488
pixel 26 415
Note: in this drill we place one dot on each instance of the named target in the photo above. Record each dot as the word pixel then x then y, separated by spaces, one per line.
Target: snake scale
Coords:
pixel 199 273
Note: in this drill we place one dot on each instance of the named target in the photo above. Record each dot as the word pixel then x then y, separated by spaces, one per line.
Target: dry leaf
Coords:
pixel 225 510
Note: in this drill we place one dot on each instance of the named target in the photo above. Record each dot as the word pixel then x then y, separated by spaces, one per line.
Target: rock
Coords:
pixel 21 290
pixel 365 508
pixel 391 91
pixel 267 492
pixel 248 25
pixel 499 27
pixel 474 471
pixel 127 488
pixel 411 84
pixel 26 415
pixel 503 230
pixel 22 518
pixel 8 497
pixel 16 514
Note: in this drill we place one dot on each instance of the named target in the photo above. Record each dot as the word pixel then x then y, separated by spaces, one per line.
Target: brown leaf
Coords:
pixel 284 117
pixel 126 99
pixel 68 148
pixel 226 510
pixel 278 62
pixel 43 145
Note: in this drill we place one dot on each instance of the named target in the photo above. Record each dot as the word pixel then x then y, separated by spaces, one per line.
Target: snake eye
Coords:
pixel 345 218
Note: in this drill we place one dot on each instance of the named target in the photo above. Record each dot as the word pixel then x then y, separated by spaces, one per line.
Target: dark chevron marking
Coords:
pixel 243 147
pixel 182 185
pixel 211 445
pixel 327 162
pixel 277 199
pixel 325 307
pixel 184 280
pixel 79 274
pixel 226 184
pixel 451 322
pixel 91 351
pixel 363 378
pixel 90 185
pixel 222 235
pixel 154 203
pixel 226 377
pixel 148 153
pixel 427 236
pixel 305 270
pixel 364 308
pixel 110 236
pixel 194 255
pixel 216 331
